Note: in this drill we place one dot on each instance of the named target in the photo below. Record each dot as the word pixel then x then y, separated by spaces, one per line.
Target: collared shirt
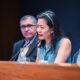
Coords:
pixel 28 43
pixel 48 56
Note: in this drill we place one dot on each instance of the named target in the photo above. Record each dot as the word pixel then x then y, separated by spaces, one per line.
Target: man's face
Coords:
pixel 28 28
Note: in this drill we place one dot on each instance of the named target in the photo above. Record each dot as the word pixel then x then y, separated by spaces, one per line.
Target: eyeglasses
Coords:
pixel 27 26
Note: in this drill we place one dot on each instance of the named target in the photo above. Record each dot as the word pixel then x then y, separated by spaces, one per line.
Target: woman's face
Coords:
pixel 43 30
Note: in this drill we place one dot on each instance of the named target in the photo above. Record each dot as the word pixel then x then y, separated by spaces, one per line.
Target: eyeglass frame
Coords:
pixel 27 26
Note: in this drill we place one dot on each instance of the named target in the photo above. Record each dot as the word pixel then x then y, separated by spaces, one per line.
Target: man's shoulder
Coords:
pixel 19 42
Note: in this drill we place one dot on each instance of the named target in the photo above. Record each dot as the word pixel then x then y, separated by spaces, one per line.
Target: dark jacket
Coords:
pixel 32 52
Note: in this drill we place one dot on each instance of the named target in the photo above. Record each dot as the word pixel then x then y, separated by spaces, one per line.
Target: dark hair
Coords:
pixel 52 22
pixel 28 16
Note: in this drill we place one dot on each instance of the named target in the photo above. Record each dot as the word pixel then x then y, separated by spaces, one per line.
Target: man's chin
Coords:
pixel 29 37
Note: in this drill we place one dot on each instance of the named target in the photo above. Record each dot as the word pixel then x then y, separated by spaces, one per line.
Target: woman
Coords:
pixel 53 46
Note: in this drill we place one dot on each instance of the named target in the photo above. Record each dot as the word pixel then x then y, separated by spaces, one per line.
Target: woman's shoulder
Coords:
pixel 64 42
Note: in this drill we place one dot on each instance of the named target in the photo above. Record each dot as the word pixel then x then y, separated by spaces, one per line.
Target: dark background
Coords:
pixel 68 12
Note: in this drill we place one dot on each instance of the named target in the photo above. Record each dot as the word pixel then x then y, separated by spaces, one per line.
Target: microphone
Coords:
pixel 13 57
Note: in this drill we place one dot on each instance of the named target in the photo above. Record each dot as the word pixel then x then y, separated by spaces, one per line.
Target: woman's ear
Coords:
pixel 52 30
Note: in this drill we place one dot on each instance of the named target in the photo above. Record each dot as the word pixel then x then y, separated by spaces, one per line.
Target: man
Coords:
pixel 26 49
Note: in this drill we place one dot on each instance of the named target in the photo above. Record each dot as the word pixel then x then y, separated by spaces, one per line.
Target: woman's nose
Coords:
pixel 38 29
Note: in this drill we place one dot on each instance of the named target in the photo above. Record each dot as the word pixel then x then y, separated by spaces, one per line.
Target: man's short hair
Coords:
pixel 28 16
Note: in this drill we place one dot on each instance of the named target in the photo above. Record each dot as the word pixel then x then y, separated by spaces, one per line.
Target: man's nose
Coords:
pixel 26 28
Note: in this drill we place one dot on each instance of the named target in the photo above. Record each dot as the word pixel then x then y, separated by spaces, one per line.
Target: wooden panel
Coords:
pixel 32 71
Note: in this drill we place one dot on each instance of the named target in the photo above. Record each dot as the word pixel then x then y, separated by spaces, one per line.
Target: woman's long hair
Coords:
pixel 53 23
